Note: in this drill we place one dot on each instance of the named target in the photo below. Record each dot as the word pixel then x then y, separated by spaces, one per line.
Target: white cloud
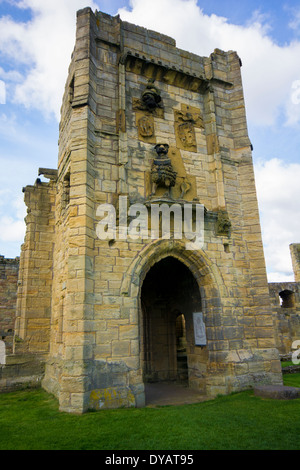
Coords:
pixel 11 230
pixel 44 45
pixel 293 104
pixel 13 75
pixel 280 277
pixel 2 92
pixel 295 22
pixel 278 191
pixel 12 213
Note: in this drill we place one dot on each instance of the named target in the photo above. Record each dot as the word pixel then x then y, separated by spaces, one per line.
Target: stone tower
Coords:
pixel 145 125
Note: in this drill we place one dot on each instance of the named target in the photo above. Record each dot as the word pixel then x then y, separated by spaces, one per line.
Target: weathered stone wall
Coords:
pixel 92 307
pixel 106 150
pixel 21 371
pixel 80 302
pixel 285 300
pixel 16 370
pixel 9 269
pixel 33 312
pixel 295 254
pixel 73 277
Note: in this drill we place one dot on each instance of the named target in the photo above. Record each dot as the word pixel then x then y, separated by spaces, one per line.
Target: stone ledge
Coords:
pixel 291 369
pixel 20 383
pixel 278 392
pixel 21 371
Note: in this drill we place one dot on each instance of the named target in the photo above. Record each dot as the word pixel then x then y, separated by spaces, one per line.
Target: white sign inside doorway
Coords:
pixel 2 353
pixel 199 329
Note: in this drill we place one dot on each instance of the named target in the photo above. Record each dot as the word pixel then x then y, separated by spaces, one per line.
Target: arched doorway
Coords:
pixel 169 296
pixel 209 288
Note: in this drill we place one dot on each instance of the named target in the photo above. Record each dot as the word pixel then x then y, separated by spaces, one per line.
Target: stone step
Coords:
pixel 278 392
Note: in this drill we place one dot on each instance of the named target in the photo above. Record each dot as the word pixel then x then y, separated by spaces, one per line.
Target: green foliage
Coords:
pixel 30 420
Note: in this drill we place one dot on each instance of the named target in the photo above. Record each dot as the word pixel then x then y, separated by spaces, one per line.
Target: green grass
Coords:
pixel 292 380
pixel 30 420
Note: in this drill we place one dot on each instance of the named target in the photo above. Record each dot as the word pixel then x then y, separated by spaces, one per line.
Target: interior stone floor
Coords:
pixel 159 394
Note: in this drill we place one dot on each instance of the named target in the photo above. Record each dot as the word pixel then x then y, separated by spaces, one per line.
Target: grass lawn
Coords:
pixel 30 420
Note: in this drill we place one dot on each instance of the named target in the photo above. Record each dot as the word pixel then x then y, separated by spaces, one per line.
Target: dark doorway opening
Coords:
pixel 169 296
pixel 287 299
pixel 181 352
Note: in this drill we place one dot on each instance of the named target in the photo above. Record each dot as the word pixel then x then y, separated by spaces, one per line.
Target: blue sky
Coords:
pixel 36 41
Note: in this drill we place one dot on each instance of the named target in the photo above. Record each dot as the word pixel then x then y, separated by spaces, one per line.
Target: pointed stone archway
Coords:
pixel 169 296
pixel 190 284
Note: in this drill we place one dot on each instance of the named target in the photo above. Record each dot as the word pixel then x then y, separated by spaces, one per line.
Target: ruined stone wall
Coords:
pixel 9 269
pixel 285 300
pixel 73 278
pixel 33 312
pixel 19 370
pixel 295 254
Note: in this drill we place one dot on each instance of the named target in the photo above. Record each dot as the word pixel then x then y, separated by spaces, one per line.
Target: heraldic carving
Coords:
pixel 162 172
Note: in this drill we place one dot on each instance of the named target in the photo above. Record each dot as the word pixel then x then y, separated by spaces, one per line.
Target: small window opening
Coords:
pixel 287 299
pixel 65 199
pixel 71 90
pixel 226 248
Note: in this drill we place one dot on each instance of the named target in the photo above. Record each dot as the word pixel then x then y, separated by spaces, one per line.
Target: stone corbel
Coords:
pixel 223 224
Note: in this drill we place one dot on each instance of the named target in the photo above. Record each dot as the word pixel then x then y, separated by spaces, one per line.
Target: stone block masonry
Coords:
pixel 285 301
pixel 108 315
pixel 16 370
pixel 34 301
pixel 9 269
pixel 295 254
